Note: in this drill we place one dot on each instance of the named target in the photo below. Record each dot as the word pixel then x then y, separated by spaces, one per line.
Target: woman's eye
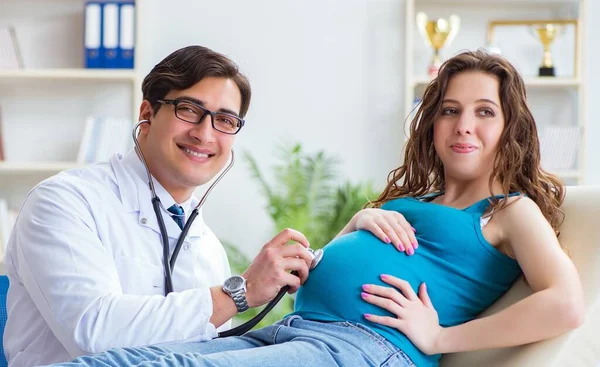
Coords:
pixel 486 112
pixel 449 111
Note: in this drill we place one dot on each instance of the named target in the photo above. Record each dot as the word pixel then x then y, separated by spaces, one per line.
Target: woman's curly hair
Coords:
pixel 517 162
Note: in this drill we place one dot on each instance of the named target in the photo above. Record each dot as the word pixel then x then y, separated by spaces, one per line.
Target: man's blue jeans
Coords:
pixel 290 342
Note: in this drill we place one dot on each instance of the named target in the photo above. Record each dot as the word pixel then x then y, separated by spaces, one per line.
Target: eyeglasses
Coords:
pixel 194 113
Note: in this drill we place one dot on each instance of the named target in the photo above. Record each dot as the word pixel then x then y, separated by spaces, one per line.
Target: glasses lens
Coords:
pixel 189 112
pixel 227 123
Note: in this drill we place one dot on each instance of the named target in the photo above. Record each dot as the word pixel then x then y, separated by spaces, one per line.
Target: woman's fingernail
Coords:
pixel 384 276
pixel 366 287
pixel 411 251
pixel 364 295
pixel 414 230
pixel 387 240
pixel 401 248
pixel 367 315
pixel 415 245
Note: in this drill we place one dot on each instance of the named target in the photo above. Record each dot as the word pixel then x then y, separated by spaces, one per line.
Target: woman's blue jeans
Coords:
pixel 290 342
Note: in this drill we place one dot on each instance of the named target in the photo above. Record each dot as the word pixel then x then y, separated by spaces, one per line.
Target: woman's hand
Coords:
pixel 415 315
pixel 389 226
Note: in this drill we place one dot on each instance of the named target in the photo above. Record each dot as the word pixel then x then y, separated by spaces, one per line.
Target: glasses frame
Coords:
pixel 175 102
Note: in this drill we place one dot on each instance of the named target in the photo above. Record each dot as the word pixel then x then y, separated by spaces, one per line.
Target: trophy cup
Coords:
pixel 546 34
pixel 437 33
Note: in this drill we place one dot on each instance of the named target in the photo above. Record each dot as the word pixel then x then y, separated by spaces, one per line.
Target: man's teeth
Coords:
pixel 195 154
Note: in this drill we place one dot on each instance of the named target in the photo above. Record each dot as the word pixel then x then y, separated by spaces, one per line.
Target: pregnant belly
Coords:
pixel 333 288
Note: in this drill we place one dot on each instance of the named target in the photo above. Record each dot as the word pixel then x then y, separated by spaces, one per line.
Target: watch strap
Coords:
pixel 240 300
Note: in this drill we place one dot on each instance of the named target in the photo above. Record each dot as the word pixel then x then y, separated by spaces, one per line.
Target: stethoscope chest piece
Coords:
pixel 317 257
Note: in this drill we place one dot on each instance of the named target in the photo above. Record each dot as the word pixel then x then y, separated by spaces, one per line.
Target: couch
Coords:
pixel 580 232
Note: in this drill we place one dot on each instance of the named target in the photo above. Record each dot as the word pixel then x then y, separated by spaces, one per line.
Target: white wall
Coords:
pixel 592 59
pixel 325 74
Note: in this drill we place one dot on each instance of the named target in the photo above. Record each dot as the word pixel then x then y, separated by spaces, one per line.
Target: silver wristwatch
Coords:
pixel 235 287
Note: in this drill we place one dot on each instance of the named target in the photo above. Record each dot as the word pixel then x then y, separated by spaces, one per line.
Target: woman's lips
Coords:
pixel 463 148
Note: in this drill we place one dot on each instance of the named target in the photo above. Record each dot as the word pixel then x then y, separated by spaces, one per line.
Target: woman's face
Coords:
pixel 467 131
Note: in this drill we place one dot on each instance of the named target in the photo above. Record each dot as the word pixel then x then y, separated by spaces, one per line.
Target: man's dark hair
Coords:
pixel 187 66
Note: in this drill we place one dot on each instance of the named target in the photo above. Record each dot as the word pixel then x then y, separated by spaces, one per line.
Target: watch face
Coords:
pixel 234 283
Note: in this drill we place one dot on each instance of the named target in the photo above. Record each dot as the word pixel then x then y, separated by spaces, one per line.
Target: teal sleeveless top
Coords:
pixel 464 273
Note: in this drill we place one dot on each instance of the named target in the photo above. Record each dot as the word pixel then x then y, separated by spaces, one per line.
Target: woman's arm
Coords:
pixel 556 306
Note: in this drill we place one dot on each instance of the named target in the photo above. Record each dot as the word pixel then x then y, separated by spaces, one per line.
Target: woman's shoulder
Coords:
pixel 519 210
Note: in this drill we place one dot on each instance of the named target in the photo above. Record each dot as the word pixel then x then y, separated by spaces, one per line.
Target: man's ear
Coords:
pixel 146 111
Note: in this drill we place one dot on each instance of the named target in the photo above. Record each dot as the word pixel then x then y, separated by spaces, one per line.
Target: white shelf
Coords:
pixel 35 167
pixel 70 74
pixel 533 82
pixel 552 82
pixel 496 2
pixel 568 174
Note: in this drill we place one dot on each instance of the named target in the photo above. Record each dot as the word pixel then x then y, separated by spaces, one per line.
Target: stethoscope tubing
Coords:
pixel 169 262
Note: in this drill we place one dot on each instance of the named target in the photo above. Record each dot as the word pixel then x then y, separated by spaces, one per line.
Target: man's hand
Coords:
pixel 270 270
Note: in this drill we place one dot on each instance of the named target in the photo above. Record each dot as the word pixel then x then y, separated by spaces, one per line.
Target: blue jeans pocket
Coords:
pixel 396 357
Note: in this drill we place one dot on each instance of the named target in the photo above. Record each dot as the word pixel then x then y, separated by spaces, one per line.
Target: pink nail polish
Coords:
pixel 415 245
pixel 366 287
pixel 364 295
pixel 367 316
pixel 402 248
pixel 384 276
pixel 411 251
pixel 414 230
pixel 387 240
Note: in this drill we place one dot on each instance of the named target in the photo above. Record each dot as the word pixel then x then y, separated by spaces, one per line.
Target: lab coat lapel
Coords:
pixel 147 217
pixel 136 196
pixel 198 227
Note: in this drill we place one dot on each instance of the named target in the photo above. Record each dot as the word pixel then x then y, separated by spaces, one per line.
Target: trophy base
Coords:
pixel 547 71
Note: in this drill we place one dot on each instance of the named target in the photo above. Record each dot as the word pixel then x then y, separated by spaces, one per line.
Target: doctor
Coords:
pixel 85 260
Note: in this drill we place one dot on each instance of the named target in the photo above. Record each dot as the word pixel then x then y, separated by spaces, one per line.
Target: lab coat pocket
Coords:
pixel 138 277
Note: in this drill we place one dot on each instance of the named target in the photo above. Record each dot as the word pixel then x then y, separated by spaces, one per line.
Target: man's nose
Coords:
pixel 203 131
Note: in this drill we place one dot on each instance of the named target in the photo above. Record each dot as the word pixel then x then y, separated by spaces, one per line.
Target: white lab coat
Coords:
pixel 86 273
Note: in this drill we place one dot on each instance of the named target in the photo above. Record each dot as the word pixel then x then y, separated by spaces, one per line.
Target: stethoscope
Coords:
pixel 169 263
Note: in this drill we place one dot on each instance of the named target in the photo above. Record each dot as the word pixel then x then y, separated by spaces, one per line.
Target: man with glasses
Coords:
pixel 85 260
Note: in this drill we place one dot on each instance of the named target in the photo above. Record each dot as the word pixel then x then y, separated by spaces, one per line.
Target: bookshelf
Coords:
pixel 554 101
pixel 16 168
pixel 531 82
pixel 45 104
pixel 69 74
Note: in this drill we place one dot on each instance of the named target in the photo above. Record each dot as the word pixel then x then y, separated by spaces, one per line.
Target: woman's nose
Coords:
pixel 465 124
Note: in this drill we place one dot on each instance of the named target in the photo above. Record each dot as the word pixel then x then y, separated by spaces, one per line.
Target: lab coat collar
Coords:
pixel 135 194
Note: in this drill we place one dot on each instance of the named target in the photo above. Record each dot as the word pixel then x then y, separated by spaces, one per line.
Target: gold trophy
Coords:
pixel 546 34
pixel 437 33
